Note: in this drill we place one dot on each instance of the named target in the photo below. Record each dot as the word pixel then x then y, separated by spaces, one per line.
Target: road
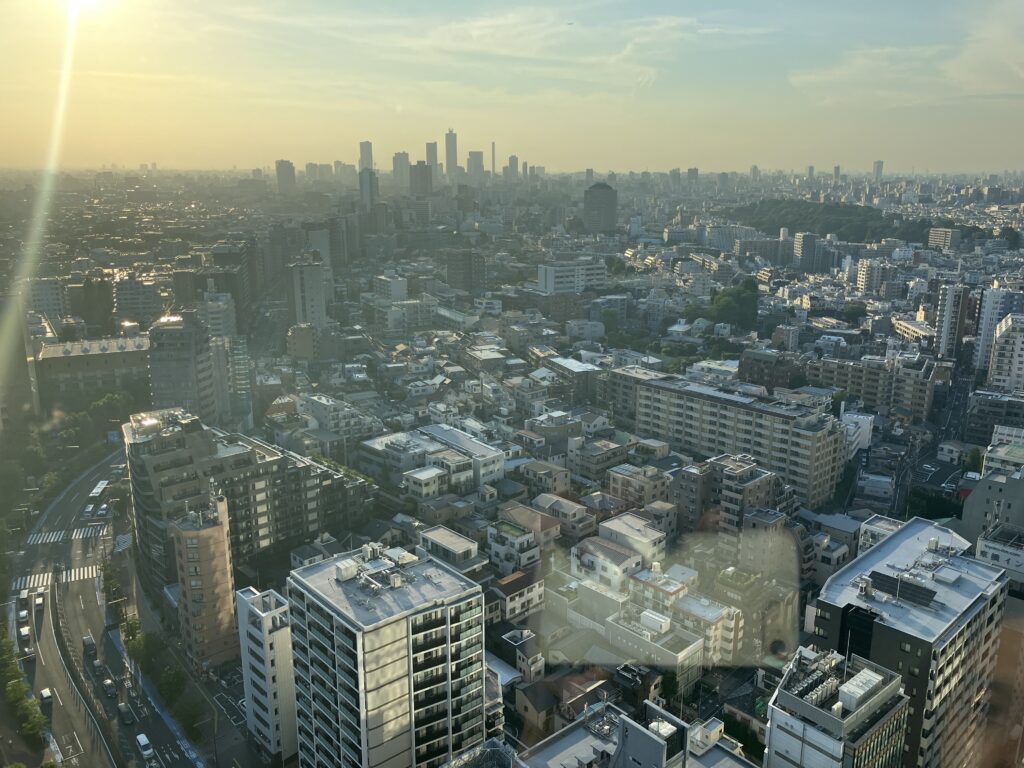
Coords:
pixel 62 538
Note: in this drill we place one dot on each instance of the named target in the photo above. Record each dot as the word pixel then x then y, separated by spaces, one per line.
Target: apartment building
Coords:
pixel 206 585
pixel 511 547
pixel 987 409
pixel 519 595
pixel 268 675
pixel 603 561
pixel 275 497
pixel 636 533
pixel 575 520
pixel 805 447
pixel 591 459
pixel 617 392
pixel 996 303
pixel 73 371
pixel 950 319
pixel 916 604
pixel 1006 360
pixel 836 713
pixel 488 462
pixel 903 385
pixel 388 652
pixel 637 485
pixel 577 276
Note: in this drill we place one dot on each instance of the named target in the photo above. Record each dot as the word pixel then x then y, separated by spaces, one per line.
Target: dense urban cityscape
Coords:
pixel 448 453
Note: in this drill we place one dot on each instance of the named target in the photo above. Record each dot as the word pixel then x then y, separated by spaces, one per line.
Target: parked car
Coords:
pixel 89 645
pixel 87 512
pixel 24 634
pixel 109 688
pixel 45 697
pixel 23 617
pixel 125 713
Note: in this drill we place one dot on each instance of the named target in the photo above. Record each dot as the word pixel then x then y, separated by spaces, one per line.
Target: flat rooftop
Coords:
pixel 367 599
pixel 923 561
pixel 461 441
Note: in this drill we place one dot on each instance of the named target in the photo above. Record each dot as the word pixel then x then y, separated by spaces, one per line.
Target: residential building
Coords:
pixel 988 409
pixel 836 713
pixel 638 485
pixel 285 171
pixel 996 303
pixel 307 294
pixel 900 386
pixel 519 595
pixel 943 239
pixel 137 299
pixel 181 366
pixel 268 674
pixel 511 547
pixel 545 477
pixel 1002 545
pixel 575 521
pixel 275 497
pixel 998 497
pixel 591 459
pixel 915 603
pixel 488 462
pixel 603 561
pixel 83 371
pixel 577 276
pixel 804 446
pixel 950 318
pixel 1006 360
pixel 388 655
pixel 206 586
pixel 634 532
pixel 617 392
pixel 455 550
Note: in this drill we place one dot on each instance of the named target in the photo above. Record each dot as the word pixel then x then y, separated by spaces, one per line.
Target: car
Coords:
pixel 39 600
pixel 102 511
pixel 24 634
pixel 23 617
pixel 45 697
pixel 109 688
pixel 89 645
pixel 145 747
pixel 87 512
pixel 125 713
pixel 28 653
pixel 930 467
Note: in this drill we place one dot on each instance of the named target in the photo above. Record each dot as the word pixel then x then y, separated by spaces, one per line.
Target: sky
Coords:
pixel 720 84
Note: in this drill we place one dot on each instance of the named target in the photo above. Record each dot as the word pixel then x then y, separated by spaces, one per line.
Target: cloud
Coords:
pixel 991 61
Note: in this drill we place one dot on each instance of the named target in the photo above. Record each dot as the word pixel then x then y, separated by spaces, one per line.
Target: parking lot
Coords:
pixel 230 697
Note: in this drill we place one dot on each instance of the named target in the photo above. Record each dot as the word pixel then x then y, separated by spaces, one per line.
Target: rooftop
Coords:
pixel 373 586
pixel 106 346
pixel 916 579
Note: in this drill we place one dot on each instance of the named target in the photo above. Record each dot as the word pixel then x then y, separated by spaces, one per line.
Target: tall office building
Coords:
pixel 588 178
pixel 400 170
pixel 435 169
pixel 512 168
pixel 494 160
pixel 268 673
pixel 388 652
pixel 421 179
pixel 285 177
pixel 833 712
pixel 322 239
pixel 275 497
pixel 692 176
pixel 876 170
pixel 312 172
pixel 365 155
pixel 600 208
pixel 475 167
pixel 996 303
pixel 307 299
pixel 836 175
pixel 206 586
pixel 466 271
pixel 369 188
pixel 810 173
pixel 451 154
pixel 1006 361
pixel 916 604
pixel 181 366
pixel 950 317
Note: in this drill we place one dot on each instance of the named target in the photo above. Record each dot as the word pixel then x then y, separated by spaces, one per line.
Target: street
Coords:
pixel 62 539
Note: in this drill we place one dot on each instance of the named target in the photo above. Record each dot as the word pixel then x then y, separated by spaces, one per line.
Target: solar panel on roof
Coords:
pixel 908 590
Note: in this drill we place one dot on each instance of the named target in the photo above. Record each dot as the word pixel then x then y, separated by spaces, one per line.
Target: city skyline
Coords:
pixel 190 87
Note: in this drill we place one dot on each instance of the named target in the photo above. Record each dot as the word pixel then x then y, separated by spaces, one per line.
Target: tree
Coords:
pixel 172 684
pixel 973 461
pixel 837 401
pixel 854 311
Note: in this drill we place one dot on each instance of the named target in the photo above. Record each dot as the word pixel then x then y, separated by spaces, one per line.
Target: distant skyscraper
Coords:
pixel 588 178
pixel 451 154
pixel 285 177
pixel 368 187
pixel 435 170
pixel 400 170
pixel 810 173
pixel 804 247
pixel 406 636
pixel 755 173
pixel 512 169
pixel 421 179
pixel 365 155
pixel 600 208
pixel 475 167
pixel 466 271
pixel 494 160
pixel 877 170
pixel 835 174
pixel 692 176
pixel 312 172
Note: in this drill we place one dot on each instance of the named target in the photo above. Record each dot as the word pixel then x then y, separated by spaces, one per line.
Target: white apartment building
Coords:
pixel 512 547
pixel 604 562
pixel 1006 360
pixel 637 534
pixel 265 637
pixel 388 650
pixel 488 462
pixel 583 274
pixel 638 485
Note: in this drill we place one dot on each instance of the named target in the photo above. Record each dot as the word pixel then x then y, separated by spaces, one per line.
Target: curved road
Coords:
pixel 61 538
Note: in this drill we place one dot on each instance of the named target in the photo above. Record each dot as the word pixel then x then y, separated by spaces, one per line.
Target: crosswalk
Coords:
pixel 36 580
pixel 122 542
pixel 55 537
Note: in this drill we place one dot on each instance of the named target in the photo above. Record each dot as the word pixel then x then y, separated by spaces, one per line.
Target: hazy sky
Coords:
pixel 719 84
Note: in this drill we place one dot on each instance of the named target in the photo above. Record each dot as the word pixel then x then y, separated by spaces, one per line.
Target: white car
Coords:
pixel 23 617
pixel 45 696
pixel 930 467
pixel 145 748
